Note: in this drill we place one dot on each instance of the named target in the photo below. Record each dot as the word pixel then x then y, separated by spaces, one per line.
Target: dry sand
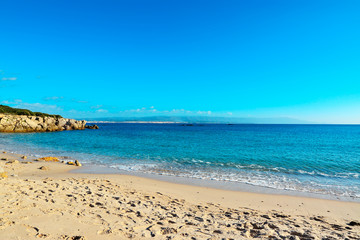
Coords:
pixel 56 204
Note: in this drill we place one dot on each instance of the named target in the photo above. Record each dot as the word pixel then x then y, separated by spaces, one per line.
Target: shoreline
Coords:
pixel 214 184
pixel 89 168
pixel 256 213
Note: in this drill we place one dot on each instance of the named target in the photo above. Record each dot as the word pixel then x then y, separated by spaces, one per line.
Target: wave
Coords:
pixel 262 179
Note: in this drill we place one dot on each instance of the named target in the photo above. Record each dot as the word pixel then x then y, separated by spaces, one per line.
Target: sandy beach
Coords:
pixel 41 199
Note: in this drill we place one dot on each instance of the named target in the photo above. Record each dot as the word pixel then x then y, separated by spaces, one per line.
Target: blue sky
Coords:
pixel 297 59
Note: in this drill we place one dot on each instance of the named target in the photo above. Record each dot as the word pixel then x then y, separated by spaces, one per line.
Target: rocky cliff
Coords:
pixel 23 123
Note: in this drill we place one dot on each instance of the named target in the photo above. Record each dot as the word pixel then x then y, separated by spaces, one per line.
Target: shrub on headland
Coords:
pixel 17 111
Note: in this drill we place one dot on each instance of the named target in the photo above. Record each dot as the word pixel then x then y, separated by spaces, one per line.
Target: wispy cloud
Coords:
pixel 96 106
pixel 16 101
pixel 82 101
pixel 64 99
pixel 153 110
pixel 53 98
pixel 203 112
pixel 102 111
pixel 78 101
pixel 9 79
pixel 36 107
pixel 98 110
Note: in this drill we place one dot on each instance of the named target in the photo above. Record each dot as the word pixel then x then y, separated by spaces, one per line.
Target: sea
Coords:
pixel 309 160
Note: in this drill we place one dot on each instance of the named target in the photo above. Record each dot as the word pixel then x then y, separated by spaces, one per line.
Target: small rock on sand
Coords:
pixel 24 157
pixel 73 237
pixel 77 163
pixel 3 174
pixel 48 159
pixel 44 168
pixel 26 162
pixel 12 161
pixel 354 223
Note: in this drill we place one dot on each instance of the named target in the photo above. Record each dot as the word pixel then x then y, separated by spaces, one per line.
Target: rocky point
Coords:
pixel 23 123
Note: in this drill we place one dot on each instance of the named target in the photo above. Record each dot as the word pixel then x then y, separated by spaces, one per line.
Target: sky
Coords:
pixel 86 59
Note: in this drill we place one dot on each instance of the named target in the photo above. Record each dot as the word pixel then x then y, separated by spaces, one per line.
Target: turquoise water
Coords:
pixel 322 159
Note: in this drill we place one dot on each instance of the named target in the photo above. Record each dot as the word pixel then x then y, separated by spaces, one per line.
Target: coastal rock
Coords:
pixel 48 159
pixel 92 126
pixel 43 168
pixel 77 163
pixel 22 123
pixel 61 122
pixel 31 123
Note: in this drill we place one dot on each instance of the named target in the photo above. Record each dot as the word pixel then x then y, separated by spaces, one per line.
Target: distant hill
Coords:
pixel 17 111
pixel 202 119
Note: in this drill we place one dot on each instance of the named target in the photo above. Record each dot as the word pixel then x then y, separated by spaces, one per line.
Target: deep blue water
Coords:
pixel 307 158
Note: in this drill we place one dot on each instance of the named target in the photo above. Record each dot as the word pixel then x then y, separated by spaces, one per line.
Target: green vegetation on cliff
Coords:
pixel 17 111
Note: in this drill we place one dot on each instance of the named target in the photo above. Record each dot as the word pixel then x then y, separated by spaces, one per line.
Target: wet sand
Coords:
pixel 53 203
